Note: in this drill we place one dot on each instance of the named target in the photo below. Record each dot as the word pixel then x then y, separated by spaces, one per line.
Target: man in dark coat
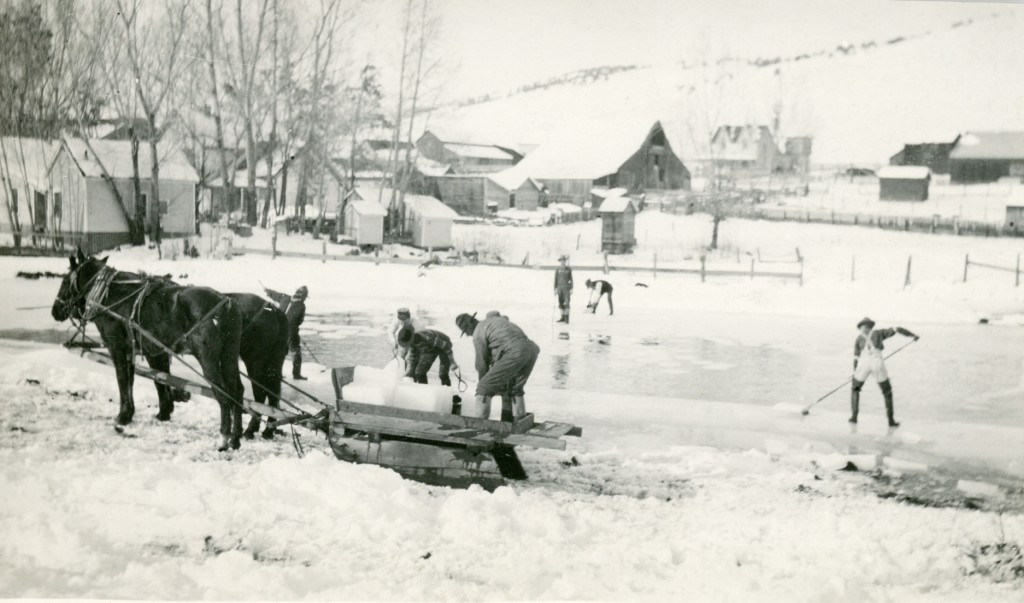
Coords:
pixel 505 357
pixel 563 287
pixel 598 289
pixel 294 308
pixel 424 347
pixel 868 360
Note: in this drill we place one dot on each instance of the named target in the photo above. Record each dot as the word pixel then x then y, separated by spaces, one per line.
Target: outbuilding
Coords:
pixel 903 183
pixel 987 157
pixel 364 222
pixel 429 221
pixel 1015 217
pixel 618 224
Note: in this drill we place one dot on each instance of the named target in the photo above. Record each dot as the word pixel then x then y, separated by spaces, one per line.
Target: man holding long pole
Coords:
pixel 868 360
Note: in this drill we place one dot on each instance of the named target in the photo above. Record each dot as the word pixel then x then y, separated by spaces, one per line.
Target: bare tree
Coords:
pixel 153 50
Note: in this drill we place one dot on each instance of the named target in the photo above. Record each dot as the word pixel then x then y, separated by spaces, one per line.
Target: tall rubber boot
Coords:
pixel 506 409
pixel 887 394
pixel 484 404
pixel 518 407
pixel 297 366
pixel 854 405
pixel 565 316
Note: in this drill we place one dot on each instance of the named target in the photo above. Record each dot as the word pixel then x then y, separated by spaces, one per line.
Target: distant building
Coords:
pixel 364 222
pixel 798 154
pixel 486 194
pixel 631 155
pixel 932 155
pixel 618 224
pixel 29 189
pixel 903 183
pixel 466 157
pixel 1015 217
pixel 987 157
pixel 88 205
pixel 746 149
pixel 429 221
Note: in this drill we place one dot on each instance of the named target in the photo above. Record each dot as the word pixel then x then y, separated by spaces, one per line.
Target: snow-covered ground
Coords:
pixel 663 497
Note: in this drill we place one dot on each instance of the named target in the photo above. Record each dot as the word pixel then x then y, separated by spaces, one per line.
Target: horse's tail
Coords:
pixel 231 337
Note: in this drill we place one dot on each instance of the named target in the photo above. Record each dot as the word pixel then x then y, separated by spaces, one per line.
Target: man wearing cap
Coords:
pixel 868 360
pixel 294 307
pixel 403 318
pixel 597 290
pixel 563 287
pixel 504 360
pixel 424 347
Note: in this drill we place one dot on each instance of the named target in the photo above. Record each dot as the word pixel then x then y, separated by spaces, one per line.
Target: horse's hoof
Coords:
pixel 124 419
pixel 268 435
pixel 162 417
pixel 248 435
pixel 235 443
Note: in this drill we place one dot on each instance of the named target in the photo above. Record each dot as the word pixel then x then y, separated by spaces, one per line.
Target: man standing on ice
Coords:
pixel 868 360
pixel 504 360
pixel 294 307
pixel 597 290
pixel 563 287
pixel 424 347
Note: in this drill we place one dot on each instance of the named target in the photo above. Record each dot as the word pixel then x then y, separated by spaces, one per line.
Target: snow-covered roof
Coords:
pixel 477 151
pixel 512 179
pixel 989 145
pixel 429 207
pixel 429 167
pixel 367 191
pixel 367 208
pixel 586 153
pixel 608 192
pixel 566 208
pixel 738 143
pixel 35 153
pixel 616 205
pixel 116 156
pixel 904 172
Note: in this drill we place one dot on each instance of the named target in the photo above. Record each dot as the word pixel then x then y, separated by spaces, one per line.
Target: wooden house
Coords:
pixel 466 157
pixel 429 221
pixel 903 183
pixel 1015 217
pixel 635 156
pixel 364 222
pixel 618 224
pixel 987 157
pixel 24 168
pixel 486 194
pixel 89 207
pixel 932 155
pixel 745 149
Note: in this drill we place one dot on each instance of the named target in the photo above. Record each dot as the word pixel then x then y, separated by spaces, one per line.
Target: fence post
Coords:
pixel 751 268
pixel 323 254
pixel 1017 272
pixel 801 272
pixel 273 244
pixel 655 264
pixel 906 281
pixel 967 262
pixel 606 262
pixel 376 257
pixel 702 260
pixel 577 241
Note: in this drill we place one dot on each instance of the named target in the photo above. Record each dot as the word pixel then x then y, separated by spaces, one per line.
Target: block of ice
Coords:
pixel 428 398
pixel 368 393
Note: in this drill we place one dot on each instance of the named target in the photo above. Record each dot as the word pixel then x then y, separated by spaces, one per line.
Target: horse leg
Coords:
pixel 259 395
pixel 124 367
pixel 162 362
pixel 272 380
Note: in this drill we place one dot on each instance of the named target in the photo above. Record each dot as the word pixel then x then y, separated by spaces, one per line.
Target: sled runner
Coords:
pixel 430 447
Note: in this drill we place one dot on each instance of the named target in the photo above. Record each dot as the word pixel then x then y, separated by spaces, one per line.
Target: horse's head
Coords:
pixel 70 301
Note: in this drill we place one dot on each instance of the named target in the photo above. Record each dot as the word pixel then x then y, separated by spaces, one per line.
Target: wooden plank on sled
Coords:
pixel 434 431
pixel 449 420
pixel 184 384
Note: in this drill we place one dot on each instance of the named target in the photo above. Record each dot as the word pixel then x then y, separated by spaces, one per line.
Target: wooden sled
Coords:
pixel 433 448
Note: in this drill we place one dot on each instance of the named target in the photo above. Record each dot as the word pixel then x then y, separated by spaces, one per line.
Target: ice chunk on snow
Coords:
pixel 979 489
pixel 902 465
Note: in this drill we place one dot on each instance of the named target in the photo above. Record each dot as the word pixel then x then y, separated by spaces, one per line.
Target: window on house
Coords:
pixel 58 209
pixel 14 200
pixel 163 208
pixel 512 200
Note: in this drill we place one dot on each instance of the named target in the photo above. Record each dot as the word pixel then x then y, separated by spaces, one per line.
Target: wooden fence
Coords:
pixel 1015 270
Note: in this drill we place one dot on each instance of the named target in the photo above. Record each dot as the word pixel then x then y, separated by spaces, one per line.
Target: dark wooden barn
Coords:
pixel 987 157
pixel 618 224
pixel 903 183
pixel 932 155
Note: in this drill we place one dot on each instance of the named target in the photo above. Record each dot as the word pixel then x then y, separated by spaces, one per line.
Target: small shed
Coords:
pixel 429 221
pixel 903 183
pixel 618 224
pixel 1015 217
pixel 364 222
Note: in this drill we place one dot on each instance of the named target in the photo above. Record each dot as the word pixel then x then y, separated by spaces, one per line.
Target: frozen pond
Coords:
pixel 954 373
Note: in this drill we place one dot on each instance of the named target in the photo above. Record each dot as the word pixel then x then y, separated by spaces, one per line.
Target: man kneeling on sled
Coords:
pixel 504 360
pixel 868 360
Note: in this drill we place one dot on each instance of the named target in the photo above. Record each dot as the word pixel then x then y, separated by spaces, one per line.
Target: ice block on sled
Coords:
pixel 368 393
pixel 425 397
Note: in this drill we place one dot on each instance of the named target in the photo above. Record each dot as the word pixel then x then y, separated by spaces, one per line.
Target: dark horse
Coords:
pixel 264 346
pixel 195 320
